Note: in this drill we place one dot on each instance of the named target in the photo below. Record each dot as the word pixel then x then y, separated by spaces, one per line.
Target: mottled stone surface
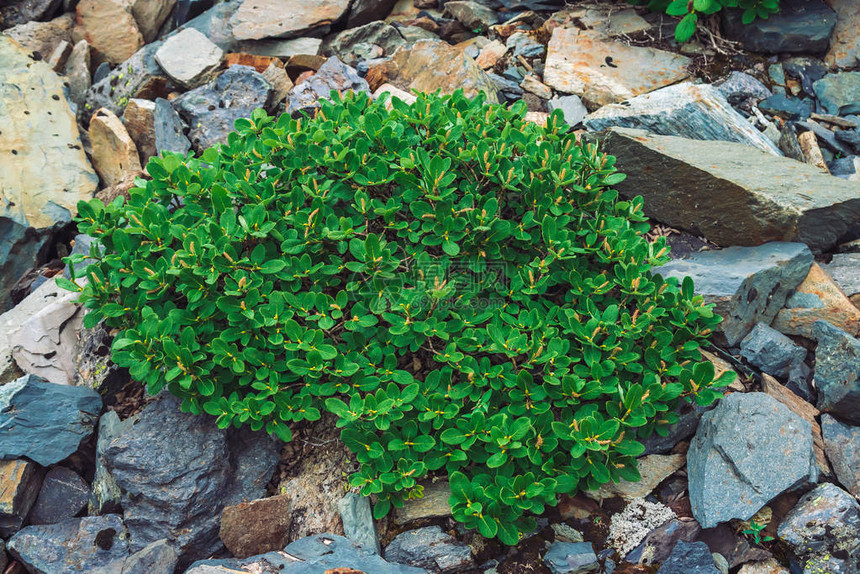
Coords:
pixel 258 19
pixel 114 152
pixel 571 558
pixel 577 64
pixel 842 445
pixel 169 129
pixel 771 351
pixel 430 548
pixel 109 27
pixel 358 523
pixel 63 495
pixel 653 469
pixel 839 94
pixel 801 26
pixel 19 486
pixel 434 504
pixel 256 527
pixel 189 58
pixel 689 558
pixel 747 450
pixel 748 284
pixel 845 41
pixel 731 194
pixel 693 111
pixel 837 366
pixel 43 37
pixel 332 75
pixel 817 298
pixel 347 45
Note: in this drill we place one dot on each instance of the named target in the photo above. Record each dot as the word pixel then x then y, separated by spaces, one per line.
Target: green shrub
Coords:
pixel 689 11
pixel 462 289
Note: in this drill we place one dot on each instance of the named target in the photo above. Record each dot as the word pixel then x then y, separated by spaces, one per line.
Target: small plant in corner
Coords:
pixel 754 530
pixel 464 291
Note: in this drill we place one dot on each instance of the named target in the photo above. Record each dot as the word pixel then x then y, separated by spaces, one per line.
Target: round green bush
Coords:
pixel 462 289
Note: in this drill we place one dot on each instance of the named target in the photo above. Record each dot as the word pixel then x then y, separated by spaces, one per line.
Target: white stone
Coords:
pixel 189 58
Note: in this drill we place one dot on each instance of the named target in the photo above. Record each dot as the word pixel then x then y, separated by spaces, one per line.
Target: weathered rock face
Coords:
pixel 114 154
pixel 653 468
pixel 319 553
pixel 430 65
pixel 801 26
pixel 473 15
pixel 837 364
pixel 748 284
pixel 211 109
pixel 350 44
pixel 697 112
pixel 109 26
pixel 43 421
pixel 177 472
pixel 434 504
pixel 169 129
pixel 63 495
pixel 844 268
pixel 747 450
pixel 576 63
pixel 818 298
pixel 189 58
pixel 106 495
pixel 256 527
pixel 358 524
pixel 845 42
pixel 731 194
pixel 689 558
pixel 842 445
pixel 839 94
pixel 19 486
pixel 150 15
pixel 160 557
pixel 332 75
pixel 43 169
pixel 15 13
pixel 825 522
pixel 257 19
pixel 659 543
pixel 430 548
pixel 43 37
pixel 95 544
pixel 571 558
pixel 771 351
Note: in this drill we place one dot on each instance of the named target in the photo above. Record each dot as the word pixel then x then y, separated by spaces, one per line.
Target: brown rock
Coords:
pixel 43 37
pixel 845 41
pixel 256 527
pixel 114 152
pixel 59 56
pixel 281 84
pixel 120 188
pixel 837 309
pixel 654 469
pixel 767 567
pixel 811 152
pixel 257 19
pixel 579 64
pixel 301 63
pixel 806 411
pixel 139 120
pixel 434 504
pixel 535 86
pixel 259 63
pixel 150 15
pixel 20 481
pixel 110 27
pixel 490 54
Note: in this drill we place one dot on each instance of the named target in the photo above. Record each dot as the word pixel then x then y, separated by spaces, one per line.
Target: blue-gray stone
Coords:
pixel 749 285
pixel 800 27
pixel 771 351
pixel 525 45
pixel 787 107
pixel 63 495
pixel 169 129
pixel 807 70
pixel 90 545
pixel 842 446
pixel 430 548
pixel 571 106
pixel 358 524
pixel 347 45
pixel 316 554
pixel 213 108
pixel 739 88
pixel 803 300
pixel 101 72
pixel 837 366
pixel 659 543
pixel 178 471
pixel 571 558
pixel 839 94
pixel 748 450
pixel 332 75
pixel 106 497
pixel 160 557
pixel 689 415
pixel 689 558
pixel 82 246
pixel 509 89
pixel 824 522
pixel 43 421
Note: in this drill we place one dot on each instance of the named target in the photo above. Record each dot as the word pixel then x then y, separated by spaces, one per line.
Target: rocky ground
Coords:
pixel 744 142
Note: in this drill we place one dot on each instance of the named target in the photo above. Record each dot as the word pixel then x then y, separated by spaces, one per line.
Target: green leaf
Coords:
pixel 685 30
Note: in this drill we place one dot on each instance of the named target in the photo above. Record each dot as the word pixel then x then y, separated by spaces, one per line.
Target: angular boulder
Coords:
pixel 44 172
pixel 332 75
pixel 817 298
pixel 748 284
pixel 358 523
pixel 43 421
pixel 571 558
pixel 19 486
pixel 63 495
pixel 189 58
pixel 431 549
pixel 177 472
pixel 842 445
pixel 800 26
pixel 845 42
pixel 604 72
pixel 771 351
pixel 693 111
pixel 748 450
pixel 732 194
pixel 839 94
pixel 837 372
pixel 109 27
pixel 258 19
pixel 689 558
pixel 256 527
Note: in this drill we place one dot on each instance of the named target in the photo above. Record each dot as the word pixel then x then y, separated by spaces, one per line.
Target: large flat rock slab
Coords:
pixel 603 71
pixel 258 19
pixel 733 194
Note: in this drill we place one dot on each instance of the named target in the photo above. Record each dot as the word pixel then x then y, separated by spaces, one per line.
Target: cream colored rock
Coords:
pixel 150 15
pixel 767 567
pixel 394 92
pixel 59 56
pixel 828 303
pixel 654 469
pixel 604 72
pixel 490 54
pixel 139 121
pixel 109 27
pixel 43 37
pixel 189 58
pixel 258 19
pixel 536 87
pixel 114 152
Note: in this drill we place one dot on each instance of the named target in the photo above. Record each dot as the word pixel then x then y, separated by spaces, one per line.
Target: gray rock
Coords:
pixel 430 548
pixel 805 69
pixel 15 13
pixel 787 107
pixel 358 523
pixel 362 12
pixel 259 19
pixel 571 558
pixel 345 45
pixel 212 109
pixel 524 45
pixel 827 564
pixel 842 445
pixel 749 285
pixel 771 351
pixel 77 70
pixel 739 88
pixel 509 89
pixel 312 555
pixel 106 495
pixel 169 129
pixel 689 558
pixel 571 106
pixel 845 167
pixel 825 522
pixel 63 495
pixel 43 421
pixel 698 112
pixel 659 543
pixel 839 94
pixel 177 472
pixel 189 58
pixel 734 195
pixel 160 557
pixel 689 415
pixel 91 545
pixel 844 268
pixel 800 27
pixel 837 364
pixel 747 450
pixel 474 16
pixel 803 300
pixel 433 504
pixel 332 75
pixel 720 562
